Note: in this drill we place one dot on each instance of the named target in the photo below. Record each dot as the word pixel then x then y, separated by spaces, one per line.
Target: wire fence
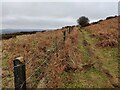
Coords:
pixel 39 72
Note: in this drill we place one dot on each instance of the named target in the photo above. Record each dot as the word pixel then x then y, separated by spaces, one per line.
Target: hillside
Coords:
pixel 82 58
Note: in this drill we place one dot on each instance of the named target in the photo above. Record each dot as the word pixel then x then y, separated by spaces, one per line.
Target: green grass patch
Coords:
pixel 108 56
pixel 91 78
pixel 83 49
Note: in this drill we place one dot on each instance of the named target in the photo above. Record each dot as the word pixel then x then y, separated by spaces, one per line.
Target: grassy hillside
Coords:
pixel 88 58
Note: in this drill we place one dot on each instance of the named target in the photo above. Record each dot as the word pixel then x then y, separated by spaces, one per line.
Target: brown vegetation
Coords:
pixel 106 31
pixel 76 62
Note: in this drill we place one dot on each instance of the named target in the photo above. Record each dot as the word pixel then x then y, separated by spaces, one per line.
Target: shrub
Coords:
pixel 83 21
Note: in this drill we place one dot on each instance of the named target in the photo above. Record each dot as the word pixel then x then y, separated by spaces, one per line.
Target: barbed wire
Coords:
pixel 52 52
pixel 59 44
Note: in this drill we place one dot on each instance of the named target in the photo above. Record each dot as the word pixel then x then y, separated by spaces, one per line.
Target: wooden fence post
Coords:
pixel 56 46
pixel 19 74
pixel 69 30
pixel 64 35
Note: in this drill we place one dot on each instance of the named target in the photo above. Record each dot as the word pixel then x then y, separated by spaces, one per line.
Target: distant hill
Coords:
pixel 8 31
pixel 11 33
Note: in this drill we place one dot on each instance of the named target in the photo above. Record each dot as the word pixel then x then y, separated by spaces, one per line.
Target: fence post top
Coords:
pixel 20 59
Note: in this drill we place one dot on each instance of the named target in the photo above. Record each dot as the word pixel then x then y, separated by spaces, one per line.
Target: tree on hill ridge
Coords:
pixel 83 21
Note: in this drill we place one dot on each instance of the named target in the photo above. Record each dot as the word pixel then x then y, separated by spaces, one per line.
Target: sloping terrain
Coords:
pixel 71 57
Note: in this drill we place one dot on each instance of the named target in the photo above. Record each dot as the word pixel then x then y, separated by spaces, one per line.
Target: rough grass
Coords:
pixel 106 31
pixel 32 47
pixel 108 55
pixel 79 62
pixel 104 58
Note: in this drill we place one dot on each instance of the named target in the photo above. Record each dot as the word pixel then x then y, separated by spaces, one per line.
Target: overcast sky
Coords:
pixel 48 15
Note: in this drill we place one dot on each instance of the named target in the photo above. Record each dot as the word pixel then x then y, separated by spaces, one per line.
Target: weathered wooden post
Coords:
pixel 64 35
pixel 69 30
pixel 19 74
pixel 56 46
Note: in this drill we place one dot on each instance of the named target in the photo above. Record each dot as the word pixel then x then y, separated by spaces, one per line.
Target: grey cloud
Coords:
pixel 53 14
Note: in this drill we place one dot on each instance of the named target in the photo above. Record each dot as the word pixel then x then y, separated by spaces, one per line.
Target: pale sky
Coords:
pixel 48 15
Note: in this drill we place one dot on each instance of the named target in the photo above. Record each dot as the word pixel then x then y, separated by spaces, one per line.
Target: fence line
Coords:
pixel 58 45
